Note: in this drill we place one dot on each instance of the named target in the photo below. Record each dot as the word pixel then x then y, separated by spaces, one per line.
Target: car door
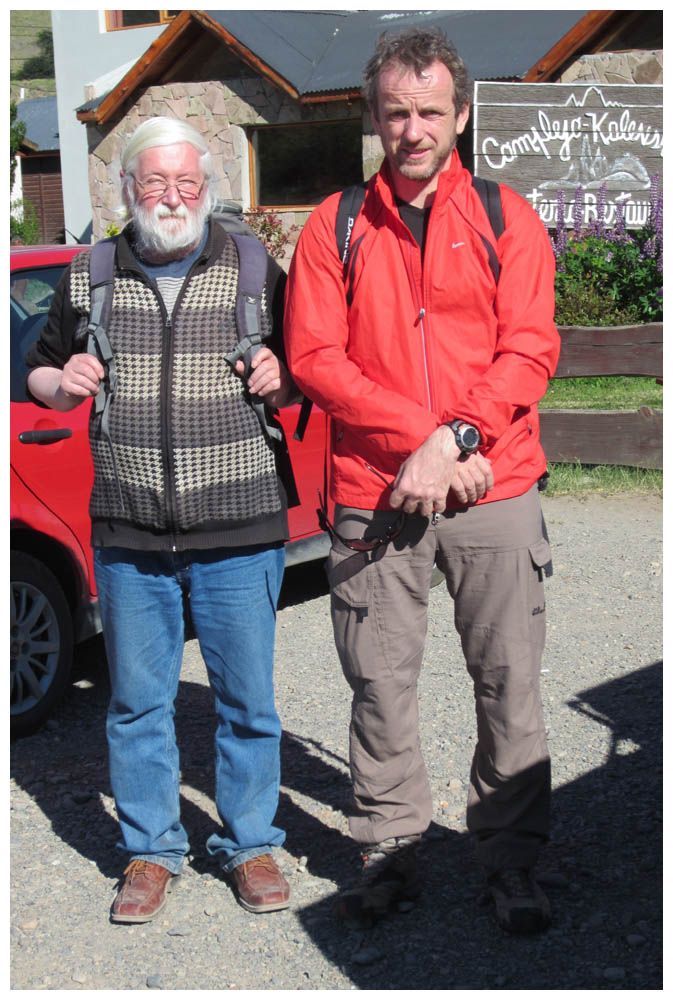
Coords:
pixel 49 451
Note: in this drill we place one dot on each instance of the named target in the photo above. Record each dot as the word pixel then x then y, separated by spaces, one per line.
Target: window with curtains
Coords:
pixel 116 19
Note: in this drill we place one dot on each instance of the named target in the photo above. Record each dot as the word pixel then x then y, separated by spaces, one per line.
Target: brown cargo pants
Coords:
pixel 494 557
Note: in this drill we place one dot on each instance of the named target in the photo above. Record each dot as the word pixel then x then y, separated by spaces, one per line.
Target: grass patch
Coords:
pixel 580 480
pixel 616 392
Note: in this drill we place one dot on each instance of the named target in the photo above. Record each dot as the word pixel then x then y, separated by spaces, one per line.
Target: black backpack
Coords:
pixel 350 203
pixel 252 260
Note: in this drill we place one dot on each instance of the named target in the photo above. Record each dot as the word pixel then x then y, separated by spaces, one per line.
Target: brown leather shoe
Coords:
pixel 143 893
pixel 260 885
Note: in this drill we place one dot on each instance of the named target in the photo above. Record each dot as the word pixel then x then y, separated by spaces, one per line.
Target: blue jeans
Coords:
pixel 232 596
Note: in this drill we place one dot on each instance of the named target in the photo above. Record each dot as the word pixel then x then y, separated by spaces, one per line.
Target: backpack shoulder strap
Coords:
pixel 489 193
pixel 101 286
pixel 351 201
pixel 252 268
pixel 101 292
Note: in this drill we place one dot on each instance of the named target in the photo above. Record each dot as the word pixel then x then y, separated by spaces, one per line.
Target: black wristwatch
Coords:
pixel 467 436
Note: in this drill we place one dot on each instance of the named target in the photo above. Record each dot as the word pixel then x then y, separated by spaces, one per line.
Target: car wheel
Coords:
pixel 41 643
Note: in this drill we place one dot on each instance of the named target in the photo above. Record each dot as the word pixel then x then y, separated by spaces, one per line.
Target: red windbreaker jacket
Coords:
pixel 424 342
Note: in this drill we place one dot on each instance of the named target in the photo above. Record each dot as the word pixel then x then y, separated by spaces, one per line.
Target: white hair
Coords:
pixel 163 132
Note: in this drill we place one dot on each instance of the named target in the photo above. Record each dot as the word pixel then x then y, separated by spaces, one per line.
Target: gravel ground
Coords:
pixel 601 684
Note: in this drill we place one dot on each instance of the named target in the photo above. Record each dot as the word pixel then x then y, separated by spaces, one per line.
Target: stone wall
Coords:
pixel 372 150
pixel 617 67
pixel 220 111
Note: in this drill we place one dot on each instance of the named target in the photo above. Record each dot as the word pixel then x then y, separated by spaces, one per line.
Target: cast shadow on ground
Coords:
pixel 603 871
pixel 72 785
pixel 605 851
pixel 64 766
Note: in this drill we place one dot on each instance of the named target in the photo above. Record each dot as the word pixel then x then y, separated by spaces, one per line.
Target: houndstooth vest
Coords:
pixel 189 449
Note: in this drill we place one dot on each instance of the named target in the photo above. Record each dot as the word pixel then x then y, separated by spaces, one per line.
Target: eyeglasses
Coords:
pixel 363 544
pixel 189 190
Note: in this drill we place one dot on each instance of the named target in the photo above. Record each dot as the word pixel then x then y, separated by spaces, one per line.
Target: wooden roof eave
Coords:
pixel 158 64
pixel 321 97
pixel 142 73
pixel 595 30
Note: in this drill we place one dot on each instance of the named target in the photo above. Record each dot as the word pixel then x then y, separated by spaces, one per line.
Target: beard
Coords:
pixel 162 232
pixel 437 162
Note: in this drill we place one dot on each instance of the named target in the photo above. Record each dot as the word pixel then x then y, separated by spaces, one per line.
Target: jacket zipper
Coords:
pixel 420 317
pixel 165 401
pixel 166 409
pixel 167 380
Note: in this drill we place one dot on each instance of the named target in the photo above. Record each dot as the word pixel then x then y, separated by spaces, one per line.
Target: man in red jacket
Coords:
pixel 431 371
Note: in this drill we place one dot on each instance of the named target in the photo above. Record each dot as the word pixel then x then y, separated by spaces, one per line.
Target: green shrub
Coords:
pixel 609 277
pixel 17 131
pixel 27 228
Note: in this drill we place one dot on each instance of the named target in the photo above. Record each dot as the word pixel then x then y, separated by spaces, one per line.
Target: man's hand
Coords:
pixel 423 482
pixel 472 478
pixel 81 377
pixel 437 466
pixel 65 389
pixel 270 379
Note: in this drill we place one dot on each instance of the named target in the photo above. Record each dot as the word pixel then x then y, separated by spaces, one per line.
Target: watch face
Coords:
pixel 470 438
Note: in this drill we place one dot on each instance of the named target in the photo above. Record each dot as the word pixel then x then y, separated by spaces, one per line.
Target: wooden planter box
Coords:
pixel 607 437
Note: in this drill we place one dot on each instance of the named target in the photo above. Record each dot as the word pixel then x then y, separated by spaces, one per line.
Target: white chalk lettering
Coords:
pixel 559 136
pixel 623 129
pixel 635 213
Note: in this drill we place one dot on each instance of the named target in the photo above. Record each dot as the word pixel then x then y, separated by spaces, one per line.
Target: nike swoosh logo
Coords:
pixel 454 245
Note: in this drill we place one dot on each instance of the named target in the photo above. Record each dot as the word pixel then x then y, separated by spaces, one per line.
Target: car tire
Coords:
pixel 41 643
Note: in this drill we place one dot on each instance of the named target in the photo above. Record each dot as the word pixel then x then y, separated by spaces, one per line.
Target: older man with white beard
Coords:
pixel 190 525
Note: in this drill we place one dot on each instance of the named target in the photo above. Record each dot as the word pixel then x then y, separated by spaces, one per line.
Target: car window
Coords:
pixel 30 294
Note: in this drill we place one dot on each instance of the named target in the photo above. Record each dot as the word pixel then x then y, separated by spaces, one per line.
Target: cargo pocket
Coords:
pixel 350 587
pixel 541 564
pixel 541 558
pixel 353 620
pixel 348 579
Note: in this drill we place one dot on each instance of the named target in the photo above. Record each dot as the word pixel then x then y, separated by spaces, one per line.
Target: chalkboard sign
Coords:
pixel 548 137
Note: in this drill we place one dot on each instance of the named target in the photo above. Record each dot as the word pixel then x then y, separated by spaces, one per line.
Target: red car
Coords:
pixel 53 593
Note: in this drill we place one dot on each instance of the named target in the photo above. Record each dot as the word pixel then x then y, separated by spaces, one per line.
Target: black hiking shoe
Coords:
pixel 388 880
pixel 521 907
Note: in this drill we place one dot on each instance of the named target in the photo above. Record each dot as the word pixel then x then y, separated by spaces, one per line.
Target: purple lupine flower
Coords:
pixel 620 224
pixel 560 260
pixel 659 219
pixel 655 195
pixel 561 233
pixel 649 248
pixel 578 212
pixel 655 219
pixel 598 225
